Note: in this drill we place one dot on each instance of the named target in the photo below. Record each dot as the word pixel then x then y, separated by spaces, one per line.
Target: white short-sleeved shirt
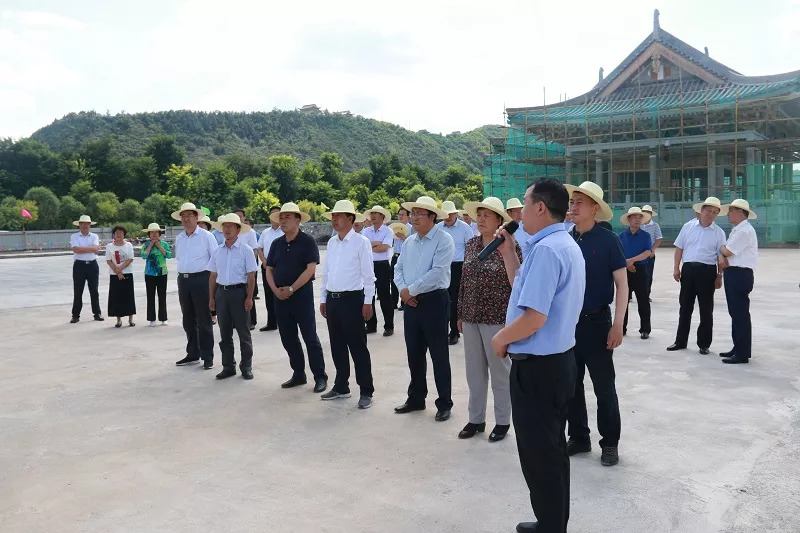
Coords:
pixel 79 239
pixel 120 254
pixel 250 239
pixel 193 251
pixel 267 237
pixel 385 236
pixel 232 264
pixel 743 243
pixel 699 244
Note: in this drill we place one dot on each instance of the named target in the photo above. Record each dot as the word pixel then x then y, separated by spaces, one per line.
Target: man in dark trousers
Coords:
pixel 231 282
pixel 738 258
pixel 698 246
pixel 268 236
pixel 461 233
pixel 291 264
pixel 193 249
pixel 422 275
pixel 638 250
pixel 654 230
pixel 381 239
pixel 85 270
pixel 348 285
pixel 539 334
pixel 595 334
pixel 397 246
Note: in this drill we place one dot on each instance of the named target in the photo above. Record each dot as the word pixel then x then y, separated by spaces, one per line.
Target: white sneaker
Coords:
pixel 152 323
pixel 164 323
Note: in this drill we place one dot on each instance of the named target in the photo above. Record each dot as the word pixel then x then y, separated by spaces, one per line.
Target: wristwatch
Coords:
pixel 291 290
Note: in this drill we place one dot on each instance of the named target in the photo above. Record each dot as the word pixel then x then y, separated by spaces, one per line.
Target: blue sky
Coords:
pixel 439 65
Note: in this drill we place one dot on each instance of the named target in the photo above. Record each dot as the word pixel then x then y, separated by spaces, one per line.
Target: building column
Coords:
pixel 598 171
pixel 653 179
pixel 568 171
pixel 750 174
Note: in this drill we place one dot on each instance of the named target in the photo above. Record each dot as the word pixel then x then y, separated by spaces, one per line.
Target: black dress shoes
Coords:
pixel 320 384
pixel 442 415
pixel 471 429
pixel 388 332
pixel 704 351
pixel 369 331
pixel 187 361
pixel 408 407
pixel 74 319
pixel 498 433
pixel 736 360
pixel 676 347
pixel 98 318
pixel 577 446
pixel 226 373
pixel 526 527
pixel 294 382
pixel 247 373
pixel 645 336
pixel 208 365
pixel 267 328
pixel 727 354
pixel 453 339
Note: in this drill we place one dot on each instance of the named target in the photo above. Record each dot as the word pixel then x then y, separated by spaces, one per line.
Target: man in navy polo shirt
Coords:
pixel 291 264
pixel 595 335
pixel 638 249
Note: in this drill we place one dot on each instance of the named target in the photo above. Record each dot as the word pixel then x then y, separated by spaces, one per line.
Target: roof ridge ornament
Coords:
pixel 656 24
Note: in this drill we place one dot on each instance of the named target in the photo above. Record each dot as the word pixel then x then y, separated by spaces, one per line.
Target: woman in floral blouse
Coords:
pixel 482 303
pixel 155 253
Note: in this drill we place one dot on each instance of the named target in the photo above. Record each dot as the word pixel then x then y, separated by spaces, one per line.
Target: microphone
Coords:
pixel 511 227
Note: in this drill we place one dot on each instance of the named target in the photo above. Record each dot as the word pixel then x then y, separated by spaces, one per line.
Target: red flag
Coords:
pixel 26 214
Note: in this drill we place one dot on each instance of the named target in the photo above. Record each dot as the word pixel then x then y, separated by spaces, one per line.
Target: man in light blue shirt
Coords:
pixel 461 233
pixel 514 210
pixel 422 275
pixel 544 307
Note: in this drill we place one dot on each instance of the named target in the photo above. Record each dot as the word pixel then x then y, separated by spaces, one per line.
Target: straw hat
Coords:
pixel 205 218
pixel 491 203
pixel 713 201
pixel 398 227
pixel 153 227
pixel 188 206
pixel 513 203
pixel 425 202
pixel 378 209
pixel 593 191
pixel 290 207
pixel 84 218
pixel 646 217
pixel 360 219
pixel 741 204
pixel 649 209
pixel 342 206
pixel 449 207
pixel 232 218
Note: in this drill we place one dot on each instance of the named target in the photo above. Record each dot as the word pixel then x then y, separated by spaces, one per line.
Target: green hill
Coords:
pixel 208 136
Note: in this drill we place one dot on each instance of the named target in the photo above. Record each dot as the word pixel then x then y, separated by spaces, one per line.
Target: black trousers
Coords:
pixel 153 285
pixel 298 311
pixel 541 389
pixel 425 328
pixel 393 289
pixel 651 266
pixel 344 326
pixel 697 281
pixel 637 284
pixel 269 301
pixel 738 286
pixel 383 280
pixel 85 272
pixel 456 267
pixel 231 315
pixel 193 297
pixel 591 339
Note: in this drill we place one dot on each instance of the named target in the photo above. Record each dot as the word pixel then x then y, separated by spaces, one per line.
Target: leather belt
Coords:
pixel 231 287
pixel 342 294
pixel 83 262
pixel 193 274
pixel 424 295
pixel 596 310
pixel 738 268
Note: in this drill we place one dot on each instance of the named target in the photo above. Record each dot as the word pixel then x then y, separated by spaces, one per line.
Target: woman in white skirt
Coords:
pixel 482 304
pixel 119 256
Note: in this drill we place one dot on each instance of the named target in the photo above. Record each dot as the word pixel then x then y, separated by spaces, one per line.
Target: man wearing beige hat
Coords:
pixel 638 249
pixel 85 270
pixel 291 265
pixel 654 230
pixel 422 275
pixel 514 210
pixel 347 289
pixel 193 249
pixel 596 336
pixel 698 246
pixel 249 236
pixel 461 234
pixel 381 239
pixel 738 258
pixel 231 284
pixel 400 235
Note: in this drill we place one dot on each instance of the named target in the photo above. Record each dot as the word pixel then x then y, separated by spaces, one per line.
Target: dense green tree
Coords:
pixel 331 165
pixel 320 192
pixel 381 168
pixel 455 175
pixel 415 192
pixel 260 204
pixel 165 152
pixel 181 181
pixel 28 163
pixel 395 184
pixel 159 207
pixel 138 178
pixel 360 177
pixel 81 190
pixel 241 195
pixel 457 198
pixel 70 211
pixel 246 166
pixel 130 209
pixel 378 197
pixel 11 213
pixel 49 206
pixel 214 187
pixel 103 207
pixel 105 167
pixel 311 172
pixel 360 196
pixel 284 169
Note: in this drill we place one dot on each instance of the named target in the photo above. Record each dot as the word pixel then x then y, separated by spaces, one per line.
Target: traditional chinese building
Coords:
pixel 668 126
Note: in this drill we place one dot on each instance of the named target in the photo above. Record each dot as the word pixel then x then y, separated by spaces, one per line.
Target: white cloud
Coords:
pixel 42 19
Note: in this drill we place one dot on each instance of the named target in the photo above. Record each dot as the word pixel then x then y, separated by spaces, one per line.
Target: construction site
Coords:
pixel 669 126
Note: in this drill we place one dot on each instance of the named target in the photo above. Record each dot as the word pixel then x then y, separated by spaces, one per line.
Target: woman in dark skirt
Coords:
pixel 119 256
